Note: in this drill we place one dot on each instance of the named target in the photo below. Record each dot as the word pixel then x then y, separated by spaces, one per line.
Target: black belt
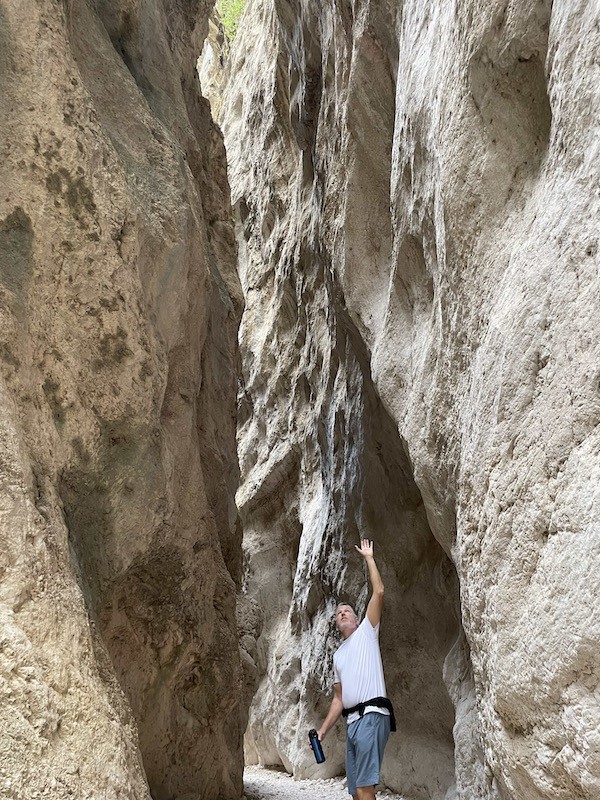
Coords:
pixel 378 702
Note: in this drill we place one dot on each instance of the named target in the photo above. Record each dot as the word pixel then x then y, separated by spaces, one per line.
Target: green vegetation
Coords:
pixel 229 12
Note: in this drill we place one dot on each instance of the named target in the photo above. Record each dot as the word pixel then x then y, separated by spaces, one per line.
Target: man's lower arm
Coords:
pixel 334 713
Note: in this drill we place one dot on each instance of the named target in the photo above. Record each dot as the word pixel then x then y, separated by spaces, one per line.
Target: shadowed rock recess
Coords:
pixel 120 303
pixel 416 192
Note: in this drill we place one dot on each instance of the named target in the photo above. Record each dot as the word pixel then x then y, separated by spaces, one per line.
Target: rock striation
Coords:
pixel 120 303
pixel 416 192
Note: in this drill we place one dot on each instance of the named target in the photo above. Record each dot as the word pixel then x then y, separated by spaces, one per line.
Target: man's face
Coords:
pixel 346 620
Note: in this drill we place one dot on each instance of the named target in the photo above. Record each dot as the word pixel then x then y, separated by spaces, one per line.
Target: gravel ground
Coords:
pixel 268 784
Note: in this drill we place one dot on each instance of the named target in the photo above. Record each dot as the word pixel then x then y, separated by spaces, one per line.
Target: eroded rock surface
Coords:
pixel 416 186
pixel 119 667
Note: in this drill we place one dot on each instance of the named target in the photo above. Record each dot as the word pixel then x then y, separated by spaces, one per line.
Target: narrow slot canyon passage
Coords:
pixel 277 276
pixel 322 461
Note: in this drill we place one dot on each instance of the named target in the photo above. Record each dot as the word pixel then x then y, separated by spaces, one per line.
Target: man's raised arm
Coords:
pixel 375 606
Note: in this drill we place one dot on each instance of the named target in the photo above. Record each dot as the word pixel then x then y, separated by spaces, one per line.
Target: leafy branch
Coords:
pixel 229 12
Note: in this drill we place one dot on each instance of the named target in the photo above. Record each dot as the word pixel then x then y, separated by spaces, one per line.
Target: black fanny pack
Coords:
pixel 378 702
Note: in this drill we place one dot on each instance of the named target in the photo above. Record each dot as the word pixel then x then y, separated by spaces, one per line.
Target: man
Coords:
pixel 359 688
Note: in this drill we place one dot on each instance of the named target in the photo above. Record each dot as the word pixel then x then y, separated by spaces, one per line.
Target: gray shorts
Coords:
pixel 365 742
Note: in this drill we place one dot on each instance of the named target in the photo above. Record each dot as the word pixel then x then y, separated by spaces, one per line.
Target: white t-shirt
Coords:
pixel 357 666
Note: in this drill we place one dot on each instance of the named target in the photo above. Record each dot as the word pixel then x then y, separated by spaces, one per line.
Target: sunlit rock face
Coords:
pixel 416 186
pixel 119 666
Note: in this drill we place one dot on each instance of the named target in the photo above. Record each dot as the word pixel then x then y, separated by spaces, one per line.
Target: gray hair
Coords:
pixel 343 603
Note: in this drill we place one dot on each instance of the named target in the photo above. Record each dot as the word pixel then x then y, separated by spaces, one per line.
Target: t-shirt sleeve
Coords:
pixel 368 629
pixel 336 674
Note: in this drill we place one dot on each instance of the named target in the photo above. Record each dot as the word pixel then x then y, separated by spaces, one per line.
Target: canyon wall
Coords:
pixel 416 187
pixel 120 303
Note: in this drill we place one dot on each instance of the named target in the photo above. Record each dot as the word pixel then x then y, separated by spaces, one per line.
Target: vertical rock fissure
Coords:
pixel 322 461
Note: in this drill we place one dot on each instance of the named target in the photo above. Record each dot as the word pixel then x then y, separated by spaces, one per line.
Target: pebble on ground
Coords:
pixel 269 784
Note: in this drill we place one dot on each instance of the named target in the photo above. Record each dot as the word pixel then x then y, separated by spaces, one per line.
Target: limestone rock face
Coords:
pixel 119 667
pixel 416 185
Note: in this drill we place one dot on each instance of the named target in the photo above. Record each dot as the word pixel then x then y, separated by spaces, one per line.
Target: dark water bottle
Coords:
pixel 316 746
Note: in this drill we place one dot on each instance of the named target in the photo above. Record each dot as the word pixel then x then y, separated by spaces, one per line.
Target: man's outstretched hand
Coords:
pixel 365 549
pixel 375 606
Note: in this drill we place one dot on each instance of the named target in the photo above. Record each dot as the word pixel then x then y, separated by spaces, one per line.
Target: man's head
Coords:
pixel 345 619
